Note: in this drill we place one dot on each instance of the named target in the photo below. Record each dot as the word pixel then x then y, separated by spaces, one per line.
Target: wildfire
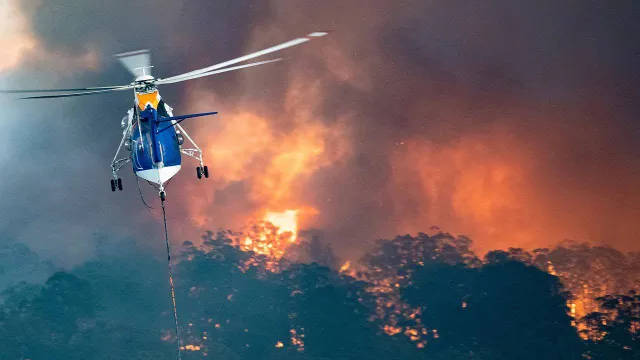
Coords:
pixel 286 222
pixel 191 347
pixel 260 166
pixel 297 339
pixel 345 266
pixel 273 235
pixel 476 177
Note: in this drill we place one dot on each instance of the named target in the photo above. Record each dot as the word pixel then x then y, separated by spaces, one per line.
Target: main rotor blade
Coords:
pixel 175 79
pixel 79 93
pixel 59 90
pixel 282 46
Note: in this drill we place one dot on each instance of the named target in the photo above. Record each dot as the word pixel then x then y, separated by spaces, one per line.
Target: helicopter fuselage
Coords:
pixel 154 138
pixel 155 147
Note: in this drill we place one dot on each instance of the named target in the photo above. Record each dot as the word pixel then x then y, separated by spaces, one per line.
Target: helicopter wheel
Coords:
pixel 206 171
pixel 113 185
pixel 119 184
pixel 199 172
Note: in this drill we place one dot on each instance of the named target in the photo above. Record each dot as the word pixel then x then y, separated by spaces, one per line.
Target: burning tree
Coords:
pixel 587 272
pixel 238 299
pixel 434 290
pixel 390 268
pixel 615 331
pixel 430 292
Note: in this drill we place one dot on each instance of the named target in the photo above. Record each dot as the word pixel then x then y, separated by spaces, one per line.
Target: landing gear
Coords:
pixel 117 164
pixel 195 152
pixel 116 183
pixel 202 170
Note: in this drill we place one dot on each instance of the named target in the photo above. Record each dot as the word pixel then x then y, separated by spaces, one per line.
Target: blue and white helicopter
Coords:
pixel 150 131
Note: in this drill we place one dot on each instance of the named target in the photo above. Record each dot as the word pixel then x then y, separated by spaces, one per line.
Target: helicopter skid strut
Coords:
pixel 117 164
pixel 196 153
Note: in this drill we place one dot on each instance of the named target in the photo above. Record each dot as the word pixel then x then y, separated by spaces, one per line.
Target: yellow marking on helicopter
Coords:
pixel 152 97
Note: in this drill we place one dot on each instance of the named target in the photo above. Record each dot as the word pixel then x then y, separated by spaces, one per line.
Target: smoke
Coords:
pixel 511 123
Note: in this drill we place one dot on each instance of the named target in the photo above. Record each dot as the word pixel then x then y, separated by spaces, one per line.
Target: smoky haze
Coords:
pixel 514 123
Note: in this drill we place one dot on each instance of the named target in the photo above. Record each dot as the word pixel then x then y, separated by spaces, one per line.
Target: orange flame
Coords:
pixel 272 238
pixel 345 266
pixel 286 222
pixel 260 166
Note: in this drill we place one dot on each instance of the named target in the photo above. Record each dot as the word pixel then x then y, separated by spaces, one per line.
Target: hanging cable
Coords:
pixel 142 198
pixel 149 207
pixel 173 292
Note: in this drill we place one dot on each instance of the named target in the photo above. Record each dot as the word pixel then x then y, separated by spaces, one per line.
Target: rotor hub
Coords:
pixel 145 84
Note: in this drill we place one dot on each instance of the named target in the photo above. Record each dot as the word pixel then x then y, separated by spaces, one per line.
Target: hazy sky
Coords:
pixel 513 122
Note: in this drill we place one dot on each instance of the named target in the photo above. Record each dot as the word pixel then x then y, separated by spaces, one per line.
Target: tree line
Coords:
pixel 413 297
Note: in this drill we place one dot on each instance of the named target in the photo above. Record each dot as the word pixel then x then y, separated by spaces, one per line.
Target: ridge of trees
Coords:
pixel 419 297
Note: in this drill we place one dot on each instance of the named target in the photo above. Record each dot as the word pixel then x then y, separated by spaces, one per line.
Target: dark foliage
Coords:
pixel 614 333
pixel 232 307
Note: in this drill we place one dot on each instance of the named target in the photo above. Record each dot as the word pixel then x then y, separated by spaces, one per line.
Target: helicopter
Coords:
pixel 150 131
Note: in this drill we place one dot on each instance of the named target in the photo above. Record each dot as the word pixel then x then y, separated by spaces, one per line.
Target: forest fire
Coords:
pixel 586 272
pixel 483 179
pixel 488 178
pixel 345 266
pixel 413 115
pixel 261 167
pixel 272 236
pixel 286 222
pixel 259 170
pixel 485 182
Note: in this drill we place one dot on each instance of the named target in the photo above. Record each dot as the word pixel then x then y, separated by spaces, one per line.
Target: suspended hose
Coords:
pixel 173 292
pixel 142 198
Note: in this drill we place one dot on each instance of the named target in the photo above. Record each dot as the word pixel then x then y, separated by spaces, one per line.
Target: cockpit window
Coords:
pixel 146 89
